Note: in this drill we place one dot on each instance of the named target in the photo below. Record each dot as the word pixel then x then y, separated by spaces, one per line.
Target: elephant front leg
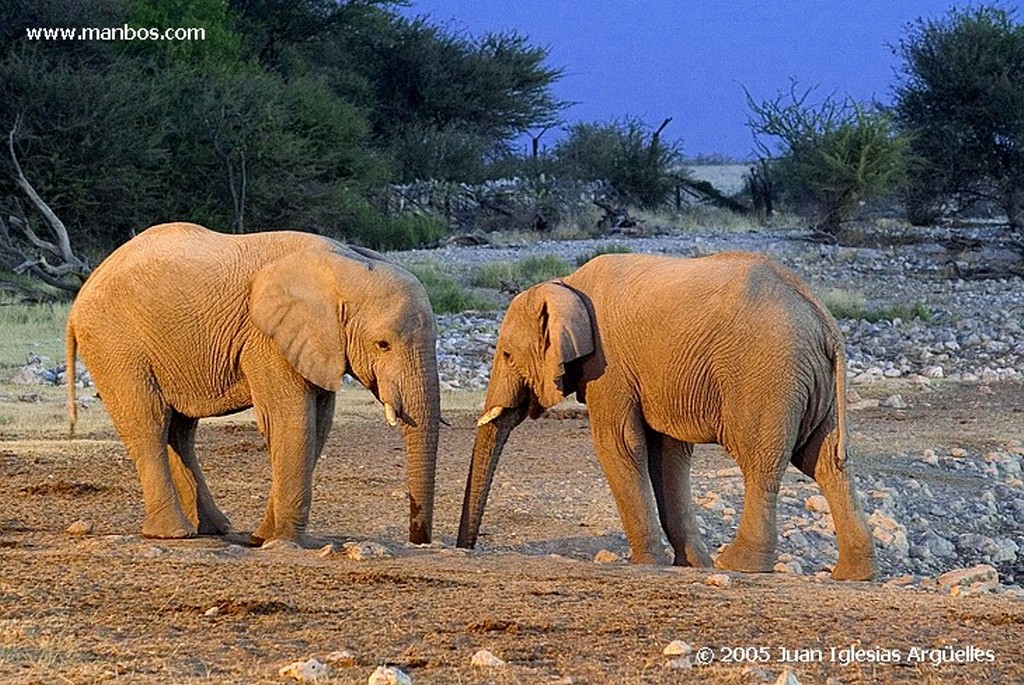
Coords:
pixel 670 476
pixel 196 499
pixel 621 449
pixel 289 425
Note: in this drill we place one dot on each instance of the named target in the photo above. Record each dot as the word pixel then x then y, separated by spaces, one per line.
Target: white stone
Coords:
pixel 719 580
pixel 389 675
pixel 485 659
pixel 308 671
pixel 932 372
pixel 677 648
pixel 680 663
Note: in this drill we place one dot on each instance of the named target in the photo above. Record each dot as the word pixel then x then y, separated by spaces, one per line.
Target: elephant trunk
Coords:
pixel 423 407
pixel 490 441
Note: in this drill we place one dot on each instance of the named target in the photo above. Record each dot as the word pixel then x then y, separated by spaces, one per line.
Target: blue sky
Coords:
pixel 692 60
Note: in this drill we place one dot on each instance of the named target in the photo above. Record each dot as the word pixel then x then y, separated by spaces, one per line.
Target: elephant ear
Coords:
pixel 567 333
pixel 294 302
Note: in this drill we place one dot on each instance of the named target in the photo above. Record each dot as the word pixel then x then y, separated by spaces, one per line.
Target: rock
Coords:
pixel 719 580
pixel 484 659
pixel 932 372
pixel 215 611
pixel 817 503
pixel 982 578
pixel 364 551
pixel 281 546
pixel 80 527
pixel 929 457
pixel 680 662
pixel 677 648
pixel 606 556
pixel 308 671
pixel 153 552
pixel 389 675
pixel 894 402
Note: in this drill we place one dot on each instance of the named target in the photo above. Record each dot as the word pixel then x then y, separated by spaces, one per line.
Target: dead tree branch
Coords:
pixel 69 270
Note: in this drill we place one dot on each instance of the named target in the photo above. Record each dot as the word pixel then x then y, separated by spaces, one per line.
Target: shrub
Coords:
pixel 829 156
pixel 447 296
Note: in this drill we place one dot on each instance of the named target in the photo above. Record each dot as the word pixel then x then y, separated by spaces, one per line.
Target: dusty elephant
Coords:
pixel 181 323
pixel 729 349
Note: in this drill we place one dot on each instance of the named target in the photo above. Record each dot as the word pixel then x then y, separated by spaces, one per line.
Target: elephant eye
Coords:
pixel 383 345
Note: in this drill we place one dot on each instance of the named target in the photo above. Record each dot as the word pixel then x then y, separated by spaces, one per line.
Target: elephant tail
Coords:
pixel 71 351
pixel 839 360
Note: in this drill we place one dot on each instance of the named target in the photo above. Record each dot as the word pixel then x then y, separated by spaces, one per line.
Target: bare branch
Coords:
pixel 57 275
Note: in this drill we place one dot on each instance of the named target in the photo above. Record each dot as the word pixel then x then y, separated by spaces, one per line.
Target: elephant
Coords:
pixel 669 352
pixel 182 323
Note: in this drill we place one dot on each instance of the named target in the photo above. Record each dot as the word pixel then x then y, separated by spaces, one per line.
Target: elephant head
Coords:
pixel 545 330
pixel 337 311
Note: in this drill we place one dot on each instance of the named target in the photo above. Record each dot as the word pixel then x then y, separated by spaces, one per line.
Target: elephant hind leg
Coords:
pixel 143 420
pixel 762 464
pixel 670 475
pixel 856 549
pixel 196 499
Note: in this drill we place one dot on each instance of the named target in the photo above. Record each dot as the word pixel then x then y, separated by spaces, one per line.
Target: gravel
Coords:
pixel 975 332
pixel 923 526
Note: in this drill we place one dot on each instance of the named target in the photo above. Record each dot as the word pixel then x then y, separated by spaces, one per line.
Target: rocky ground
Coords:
pixel 937 435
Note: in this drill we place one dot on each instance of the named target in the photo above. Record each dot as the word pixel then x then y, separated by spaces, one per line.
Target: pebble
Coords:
pixel 677 648
pixel 308 671
pixel 606 556
pixel 719 580
pixel 80 527
pixel 389 675
pixel 485 659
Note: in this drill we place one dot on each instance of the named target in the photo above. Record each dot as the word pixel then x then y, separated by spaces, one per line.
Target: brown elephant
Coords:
pixel 181 323
pixel 730 349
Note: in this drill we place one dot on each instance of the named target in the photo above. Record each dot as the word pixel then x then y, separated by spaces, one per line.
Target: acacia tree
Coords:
pixel 635 161
pixel 961 95
pixel 830 156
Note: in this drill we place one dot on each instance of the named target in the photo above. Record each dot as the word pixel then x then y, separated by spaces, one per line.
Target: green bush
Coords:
pixel 447 296
pixel 637 164
pixel 829 156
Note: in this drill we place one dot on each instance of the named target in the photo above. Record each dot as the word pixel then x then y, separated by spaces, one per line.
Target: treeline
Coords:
pixel 288 114
pixel 300 115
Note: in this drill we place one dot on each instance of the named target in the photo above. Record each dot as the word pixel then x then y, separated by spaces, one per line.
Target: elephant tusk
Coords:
pixel 490 415
pixel 390 415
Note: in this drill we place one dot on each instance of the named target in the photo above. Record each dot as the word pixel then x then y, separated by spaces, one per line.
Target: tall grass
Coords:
pixel 521 274
pixel 30 327
pixel 843 304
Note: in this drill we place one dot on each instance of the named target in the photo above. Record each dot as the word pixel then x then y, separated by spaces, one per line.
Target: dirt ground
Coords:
pixel 110 605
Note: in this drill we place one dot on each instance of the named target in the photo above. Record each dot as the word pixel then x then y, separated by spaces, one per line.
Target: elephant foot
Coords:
pixel 737 557
pixel 694 555
pixel 861 568
pixel 215 523
pixel 155 531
